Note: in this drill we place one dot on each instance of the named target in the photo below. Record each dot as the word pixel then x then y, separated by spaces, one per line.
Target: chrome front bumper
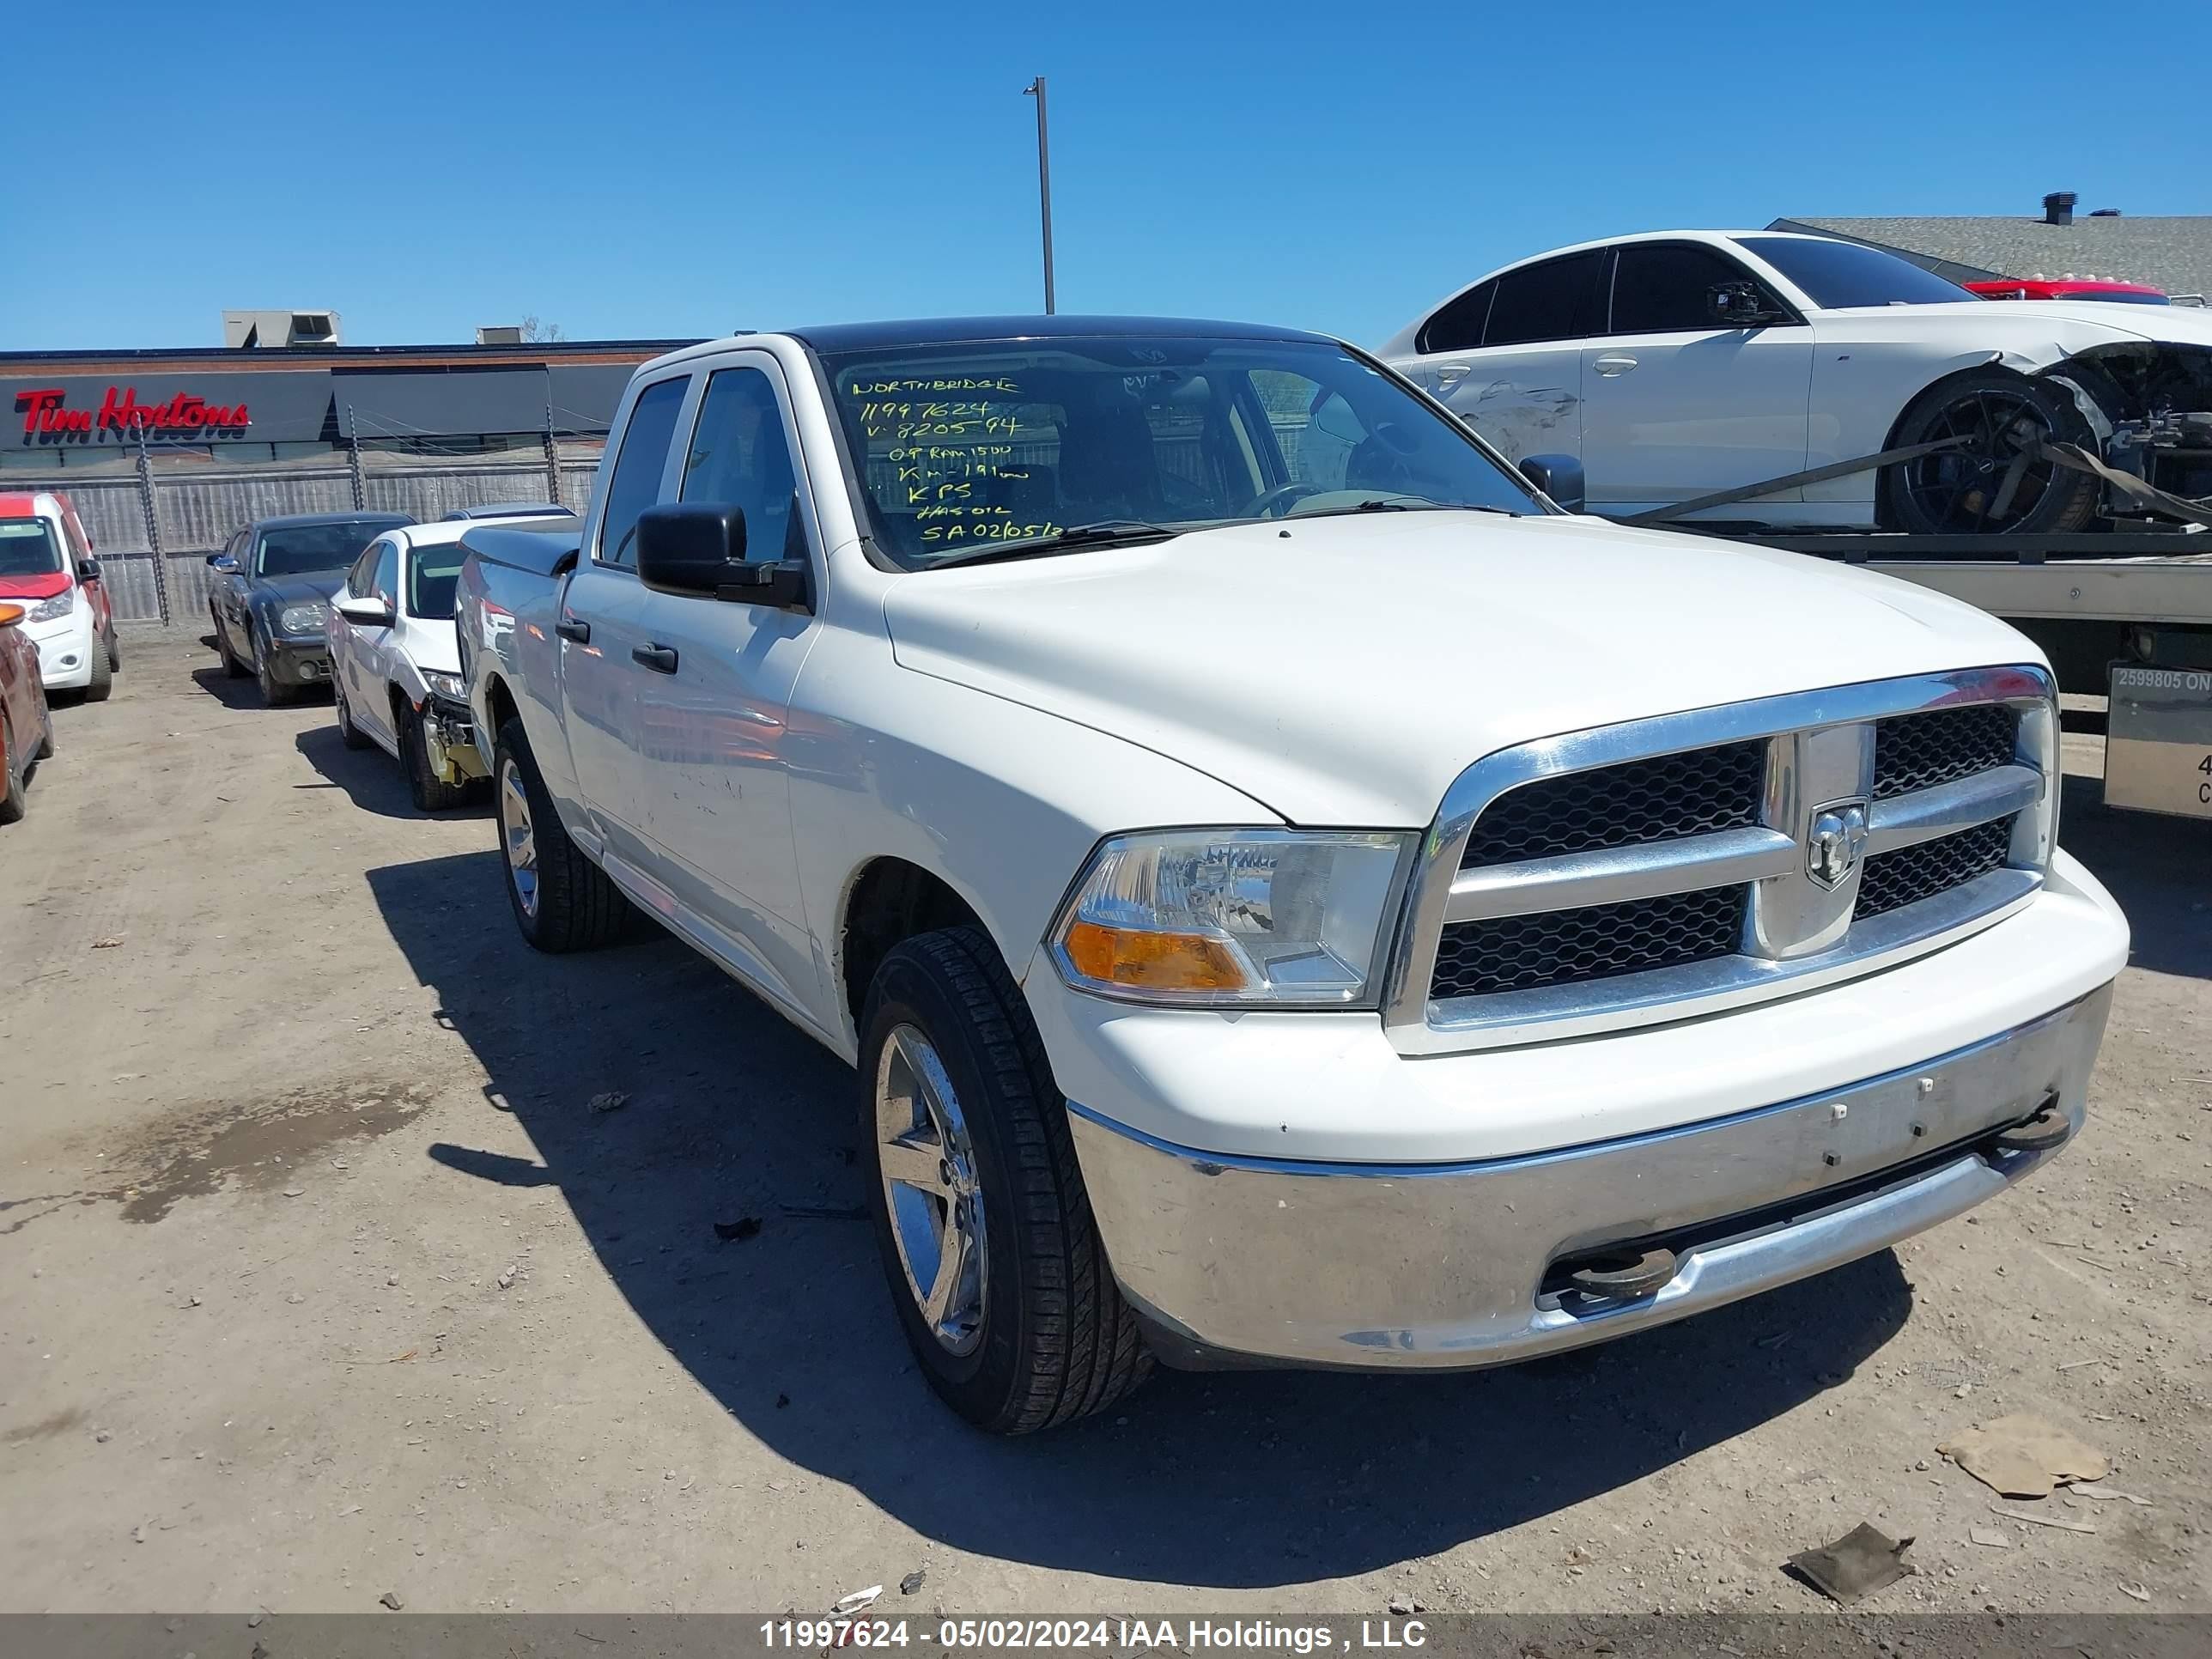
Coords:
pixel 1237 1261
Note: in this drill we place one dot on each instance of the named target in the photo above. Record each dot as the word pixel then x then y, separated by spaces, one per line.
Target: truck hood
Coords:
pixel 315 587
pixel 1344 671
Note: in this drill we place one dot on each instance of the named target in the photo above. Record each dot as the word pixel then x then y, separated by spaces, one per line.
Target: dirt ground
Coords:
pixel 319 1279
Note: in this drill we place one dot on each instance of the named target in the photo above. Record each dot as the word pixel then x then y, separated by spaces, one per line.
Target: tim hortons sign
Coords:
pixel 47 413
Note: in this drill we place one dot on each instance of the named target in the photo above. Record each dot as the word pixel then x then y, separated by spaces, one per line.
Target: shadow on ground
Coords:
pixel 242 694
pixel 2138 855
pixel 370 777
pixel 1245 1481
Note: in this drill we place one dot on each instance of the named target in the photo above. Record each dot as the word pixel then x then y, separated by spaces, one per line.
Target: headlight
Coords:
pixel 60 606
pixel 445 685
pixel 300 619
pixel 1225 917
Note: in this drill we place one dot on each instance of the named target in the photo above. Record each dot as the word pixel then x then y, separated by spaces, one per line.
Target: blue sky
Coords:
pixel 657 170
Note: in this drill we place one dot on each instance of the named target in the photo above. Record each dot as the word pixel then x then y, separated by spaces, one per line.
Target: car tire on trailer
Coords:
pixel 349 734
pixel 430 792
pixel 561 901
pixel 1994 483
pixel 985 1228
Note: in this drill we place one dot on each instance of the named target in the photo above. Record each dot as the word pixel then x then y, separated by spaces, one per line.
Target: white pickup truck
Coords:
pixel 1292 894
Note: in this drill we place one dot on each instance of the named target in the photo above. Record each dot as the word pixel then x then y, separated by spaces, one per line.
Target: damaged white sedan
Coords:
pixel 1681 364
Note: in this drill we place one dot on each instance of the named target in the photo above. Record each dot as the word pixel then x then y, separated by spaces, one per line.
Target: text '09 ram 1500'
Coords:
pixel 1292 894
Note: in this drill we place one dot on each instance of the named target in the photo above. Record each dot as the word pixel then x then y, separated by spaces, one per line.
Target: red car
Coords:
pixel 2069 287
pixel 26 725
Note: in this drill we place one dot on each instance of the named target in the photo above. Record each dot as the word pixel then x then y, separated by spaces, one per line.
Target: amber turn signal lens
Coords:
pixel 1153 962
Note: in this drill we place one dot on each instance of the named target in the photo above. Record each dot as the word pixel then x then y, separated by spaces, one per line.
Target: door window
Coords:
pixel 1661 287
pixel 1459 325
pixel 740 456
pixel 362 576
pixel 1555 300
pixel 384 583
pixel 635 485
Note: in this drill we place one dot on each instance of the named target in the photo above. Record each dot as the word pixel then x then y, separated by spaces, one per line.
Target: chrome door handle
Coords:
pixel 1613 364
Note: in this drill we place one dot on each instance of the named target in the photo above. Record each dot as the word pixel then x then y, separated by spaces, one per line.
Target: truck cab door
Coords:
pixel 1676 405
pixel 713 683
pixel 597 626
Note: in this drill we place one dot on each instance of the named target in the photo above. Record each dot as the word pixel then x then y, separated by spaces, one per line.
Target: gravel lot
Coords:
pixel 319 1279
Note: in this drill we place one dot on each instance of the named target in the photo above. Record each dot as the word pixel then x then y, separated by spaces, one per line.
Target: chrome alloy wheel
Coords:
pixel 520 839
pixel 931 1190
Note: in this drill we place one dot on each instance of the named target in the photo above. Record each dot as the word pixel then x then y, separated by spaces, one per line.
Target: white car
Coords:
pixel 1683 363
pixel 1291 895
pixel 47 566
pixel 394 664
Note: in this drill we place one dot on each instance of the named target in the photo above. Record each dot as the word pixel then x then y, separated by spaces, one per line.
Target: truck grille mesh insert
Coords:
pixel 1893 880
pixel 1918 752
pixel 1664 798
pixel 1561 947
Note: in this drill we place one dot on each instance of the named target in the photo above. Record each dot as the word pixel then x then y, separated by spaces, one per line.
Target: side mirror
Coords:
pixel 1559 476
pixel 1740 305
pixel 222 563
pixel 697 549
pixel 87 570
pixel 369 611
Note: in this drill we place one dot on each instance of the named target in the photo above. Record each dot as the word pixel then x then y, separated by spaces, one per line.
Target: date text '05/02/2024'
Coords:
pixel 1249 1635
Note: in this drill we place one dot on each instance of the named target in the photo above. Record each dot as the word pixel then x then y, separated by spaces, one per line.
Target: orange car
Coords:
pixel 27 725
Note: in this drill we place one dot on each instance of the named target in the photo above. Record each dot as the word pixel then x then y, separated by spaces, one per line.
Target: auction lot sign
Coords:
pixel 84 412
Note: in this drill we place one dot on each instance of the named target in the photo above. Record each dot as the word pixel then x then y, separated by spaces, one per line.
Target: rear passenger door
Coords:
pixel 599 626
pixel 1518 381
pixel 1675 406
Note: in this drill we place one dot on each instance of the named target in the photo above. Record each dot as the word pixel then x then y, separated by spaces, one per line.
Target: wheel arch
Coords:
pixel 886 901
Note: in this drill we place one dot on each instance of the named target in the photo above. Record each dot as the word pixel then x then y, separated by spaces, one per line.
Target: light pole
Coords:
pixel 1036 89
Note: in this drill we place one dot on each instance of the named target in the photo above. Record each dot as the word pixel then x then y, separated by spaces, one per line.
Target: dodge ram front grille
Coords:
pixel 1893 880
pixel 1562 947
pixel 1666 868
pixel 1918 752
pixel 1657 799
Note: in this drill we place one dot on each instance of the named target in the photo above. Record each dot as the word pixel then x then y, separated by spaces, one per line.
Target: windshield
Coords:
pixel 1012 444
pixel 27 548
pixel 433 575
pixel 312 550
pixel 1836 274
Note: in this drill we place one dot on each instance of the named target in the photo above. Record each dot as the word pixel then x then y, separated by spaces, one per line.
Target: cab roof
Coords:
pixel 975 330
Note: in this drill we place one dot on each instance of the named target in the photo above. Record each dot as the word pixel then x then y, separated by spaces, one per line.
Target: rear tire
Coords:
pixel 231 665
pixel 561 901
pixel 951 1063
pixel 349 734
pixel 431 793
pixel 11 782
pixel 1965 491
pixel 102 683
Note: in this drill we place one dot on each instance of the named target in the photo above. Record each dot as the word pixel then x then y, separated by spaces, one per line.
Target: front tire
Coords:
pixel 984 1225
pixel 431 792
pixel 102 683
pixel 561 901
pixel 1995 483
pixel 275 694
pixel 231 666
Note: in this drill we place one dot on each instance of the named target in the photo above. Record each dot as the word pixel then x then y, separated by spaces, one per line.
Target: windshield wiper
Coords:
pixel 1104 533
pixel 1402 504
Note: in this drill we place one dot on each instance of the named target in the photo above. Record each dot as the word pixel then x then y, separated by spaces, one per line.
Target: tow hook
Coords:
pixel 1623 1278
pixel 2039 1134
